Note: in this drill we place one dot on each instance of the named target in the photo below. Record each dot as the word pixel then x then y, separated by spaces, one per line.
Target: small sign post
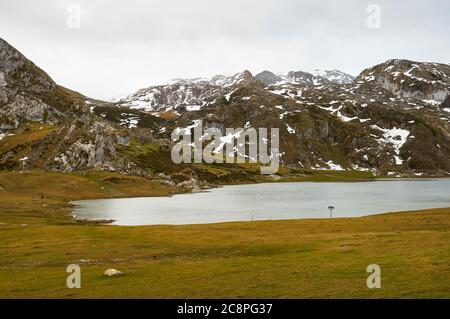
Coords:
pixel 331 211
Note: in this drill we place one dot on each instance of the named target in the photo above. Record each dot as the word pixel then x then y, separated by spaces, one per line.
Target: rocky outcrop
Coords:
pixel 191 185
pixel 446 103
pixel 408 79
pixel 27 93
pixel 87 149
pixel 268 77
pixel 80 139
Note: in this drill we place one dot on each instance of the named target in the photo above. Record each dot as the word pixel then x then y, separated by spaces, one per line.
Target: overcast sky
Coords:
pixel 122 46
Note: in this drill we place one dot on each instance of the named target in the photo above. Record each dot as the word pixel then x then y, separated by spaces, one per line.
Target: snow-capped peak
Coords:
pixel 191 94
pixel 317 77
pixel 334 76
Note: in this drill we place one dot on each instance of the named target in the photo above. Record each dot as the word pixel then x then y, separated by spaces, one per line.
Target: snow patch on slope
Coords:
pixel 396 137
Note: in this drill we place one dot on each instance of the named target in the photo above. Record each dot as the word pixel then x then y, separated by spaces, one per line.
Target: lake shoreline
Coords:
pixel 61 189
pixel 253 203
pixel 290 258
pixel 226 223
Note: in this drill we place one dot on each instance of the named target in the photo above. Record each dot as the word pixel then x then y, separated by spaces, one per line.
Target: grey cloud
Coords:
pixel 125 45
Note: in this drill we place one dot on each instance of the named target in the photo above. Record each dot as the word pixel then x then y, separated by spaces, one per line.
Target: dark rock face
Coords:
pixel 446 103
pixel 268 77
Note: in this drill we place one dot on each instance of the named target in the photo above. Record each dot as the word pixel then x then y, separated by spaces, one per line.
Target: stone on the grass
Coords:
pixel 113 272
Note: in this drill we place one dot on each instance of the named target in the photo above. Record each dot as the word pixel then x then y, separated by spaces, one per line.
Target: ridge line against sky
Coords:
pixel 117 48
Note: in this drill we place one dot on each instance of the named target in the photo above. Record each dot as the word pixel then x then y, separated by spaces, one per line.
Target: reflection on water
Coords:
pixel 272 201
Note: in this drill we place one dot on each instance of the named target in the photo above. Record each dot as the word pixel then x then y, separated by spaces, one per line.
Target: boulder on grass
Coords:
pixel 113 272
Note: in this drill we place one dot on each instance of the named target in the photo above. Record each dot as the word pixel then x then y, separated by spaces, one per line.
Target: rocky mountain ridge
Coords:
pixel 393 119
pixel 193 94
pixel 46 125
pixel 428 82
pixel 389 123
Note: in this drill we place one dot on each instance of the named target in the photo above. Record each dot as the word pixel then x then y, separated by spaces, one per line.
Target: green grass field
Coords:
pixel 267 259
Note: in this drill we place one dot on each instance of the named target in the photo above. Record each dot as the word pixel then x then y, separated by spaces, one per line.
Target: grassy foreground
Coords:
pixel 291 259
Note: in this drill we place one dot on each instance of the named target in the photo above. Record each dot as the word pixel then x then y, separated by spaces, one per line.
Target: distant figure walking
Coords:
pixel 42 196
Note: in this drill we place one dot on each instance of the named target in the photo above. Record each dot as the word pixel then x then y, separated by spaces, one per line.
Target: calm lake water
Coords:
pixel 272 201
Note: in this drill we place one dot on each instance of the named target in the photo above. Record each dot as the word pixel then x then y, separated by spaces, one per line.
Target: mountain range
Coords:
pixel 392 119
pixel 193 94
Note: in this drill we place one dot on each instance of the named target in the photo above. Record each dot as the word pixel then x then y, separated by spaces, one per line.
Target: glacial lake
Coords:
pixel 272 201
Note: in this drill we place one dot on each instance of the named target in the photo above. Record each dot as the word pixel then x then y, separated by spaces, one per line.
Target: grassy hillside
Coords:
pixel 152 158
pixel 295 258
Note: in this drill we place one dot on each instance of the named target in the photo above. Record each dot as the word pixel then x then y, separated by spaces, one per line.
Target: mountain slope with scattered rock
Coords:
pixel 392 119
pixel 46 125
